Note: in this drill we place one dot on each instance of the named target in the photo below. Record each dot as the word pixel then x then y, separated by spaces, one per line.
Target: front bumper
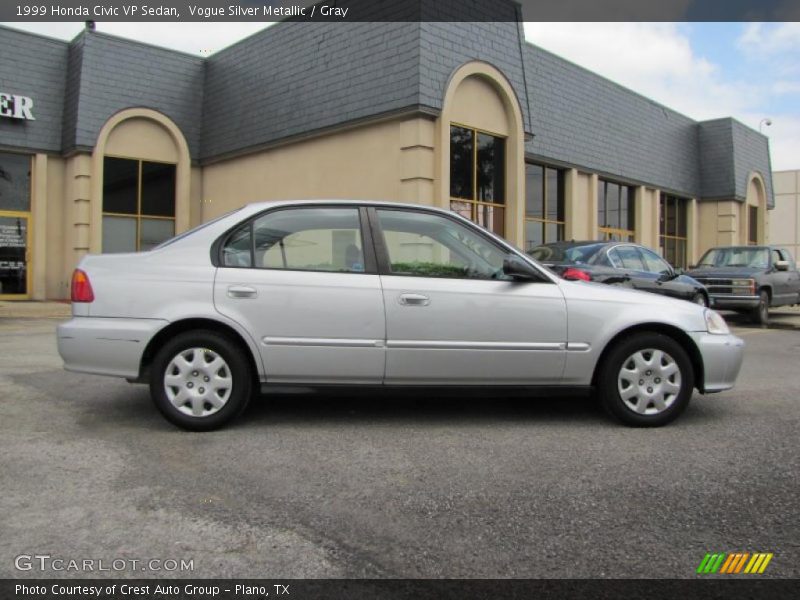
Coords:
pixel 105 346
pixel 728 301
pixel 722 358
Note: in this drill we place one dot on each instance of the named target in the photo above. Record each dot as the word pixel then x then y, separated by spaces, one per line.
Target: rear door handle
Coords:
pixel 414 300
pixel 241 291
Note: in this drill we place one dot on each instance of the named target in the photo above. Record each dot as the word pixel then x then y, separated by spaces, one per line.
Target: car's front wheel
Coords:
pixel 646 380
pixel 200 380
pixel 760 313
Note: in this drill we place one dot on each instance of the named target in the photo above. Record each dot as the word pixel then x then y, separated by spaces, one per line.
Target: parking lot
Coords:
pixel 397 485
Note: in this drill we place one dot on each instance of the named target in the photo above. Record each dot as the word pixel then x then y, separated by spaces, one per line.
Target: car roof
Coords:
pixel 266 204
pixel 568 243
pixel 744 247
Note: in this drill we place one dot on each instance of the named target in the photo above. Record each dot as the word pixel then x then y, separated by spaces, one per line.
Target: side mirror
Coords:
pixel 782 265
pixel 667 275
pixel 515 267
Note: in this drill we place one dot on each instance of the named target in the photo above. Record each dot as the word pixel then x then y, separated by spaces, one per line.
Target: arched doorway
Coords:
pixel 140 187
pixel 480 147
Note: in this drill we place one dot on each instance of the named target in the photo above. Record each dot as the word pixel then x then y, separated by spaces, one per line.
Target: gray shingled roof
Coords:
pixel 299 78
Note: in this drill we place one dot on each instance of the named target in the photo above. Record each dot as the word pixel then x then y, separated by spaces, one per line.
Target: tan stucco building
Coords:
pixel 784 222
pixel 128 144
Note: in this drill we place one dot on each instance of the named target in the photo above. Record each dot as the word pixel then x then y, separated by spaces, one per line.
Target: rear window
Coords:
pixel 565 254
pixel 172 240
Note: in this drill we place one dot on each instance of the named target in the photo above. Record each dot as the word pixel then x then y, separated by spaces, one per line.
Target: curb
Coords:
pixel 34 310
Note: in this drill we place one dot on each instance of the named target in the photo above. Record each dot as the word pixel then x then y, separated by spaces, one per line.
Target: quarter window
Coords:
pixel 138 204
pixel 544 205
pixel 615 216
pixel 673 230
pixel 304 239
pixel 477 177
pixel 427 245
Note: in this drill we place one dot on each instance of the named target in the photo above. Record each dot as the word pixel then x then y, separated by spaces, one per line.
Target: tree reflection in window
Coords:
pixel 477 177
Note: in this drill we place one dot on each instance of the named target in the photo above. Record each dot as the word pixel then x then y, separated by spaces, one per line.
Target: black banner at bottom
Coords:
pixel 400 589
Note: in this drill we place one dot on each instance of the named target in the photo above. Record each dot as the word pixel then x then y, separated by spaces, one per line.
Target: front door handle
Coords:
pixel 414 300
pixel 241 291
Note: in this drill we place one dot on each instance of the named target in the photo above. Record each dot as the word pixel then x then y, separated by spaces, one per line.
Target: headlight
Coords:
pixel 715 323
pixel 747 286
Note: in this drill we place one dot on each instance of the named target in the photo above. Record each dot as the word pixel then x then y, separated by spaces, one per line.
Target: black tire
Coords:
pixel 700 299
pixel 760 314
pixel 608 384
pixel 236 366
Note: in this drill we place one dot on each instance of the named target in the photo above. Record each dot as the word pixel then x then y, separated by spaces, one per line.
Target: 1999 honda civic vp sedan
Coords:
pixel 318 293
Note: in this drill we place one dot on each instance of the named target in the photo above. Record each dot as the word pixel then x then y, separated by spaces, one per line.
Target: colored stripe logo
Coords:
pixel 734 563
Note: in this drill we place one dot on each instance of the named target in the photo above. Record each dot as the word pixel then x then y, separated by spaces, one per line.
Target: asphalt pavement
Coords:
pixel 401 485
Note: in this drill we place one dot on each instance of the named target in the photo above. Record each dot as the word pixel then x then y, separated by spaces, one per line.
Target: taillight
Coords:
pixel 574 274
pixel 81 287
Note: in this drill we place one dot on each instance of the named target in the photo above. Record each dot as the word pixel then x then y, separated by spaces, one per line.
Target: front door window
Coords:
pixel 427 245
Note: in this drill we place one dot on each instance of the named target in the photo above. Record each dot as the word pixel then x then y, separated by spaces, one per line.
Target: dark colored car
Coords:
pixel 749 279
pixel 619 263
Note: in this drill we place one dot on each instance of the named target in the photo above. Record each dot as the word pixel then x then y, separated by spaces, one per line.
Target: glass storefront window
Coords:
pixel 138 204
pixel 15 206
pixel 13 255
pixel 15 182
pixel 544 205
pixel 673 229
pixel 615 216
pixel 477 177
pixel 752 225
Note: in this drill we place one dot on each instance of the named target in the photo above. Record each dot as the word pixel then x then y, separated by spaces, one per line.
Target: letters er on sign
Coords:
pixel 16 107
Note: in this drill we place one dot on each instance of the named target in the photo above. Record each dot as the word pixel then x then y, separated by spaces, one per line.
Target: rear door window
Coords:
pixel 303 239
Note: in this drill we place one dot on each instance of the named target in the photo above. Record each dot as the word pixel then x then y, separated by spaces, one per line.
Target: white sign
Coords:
pixel 16 107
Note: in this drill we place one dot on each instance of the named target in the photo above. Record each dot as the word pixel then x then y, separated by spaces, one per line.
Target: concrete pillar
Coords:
pixel 417 161
pixel 573 213
pixel 692 232
pixel 727 217
pixel 78 175
pixel 591 204
pixel 646 216
pixel 38 227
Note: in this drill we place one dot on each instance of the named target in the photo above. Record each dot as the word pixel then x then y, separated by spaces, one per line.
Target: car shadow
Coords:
pixel 104 404
pixel 418 407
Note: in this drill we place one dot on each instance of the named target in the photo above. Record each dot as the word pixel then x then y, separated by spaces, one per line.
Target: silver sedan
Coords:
pixel 322 293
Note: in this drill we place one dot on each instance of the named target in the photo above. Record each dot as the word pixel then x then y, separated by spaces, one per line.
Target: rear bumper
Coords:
pixel 105 346
pixel 722 359
pixel 728 301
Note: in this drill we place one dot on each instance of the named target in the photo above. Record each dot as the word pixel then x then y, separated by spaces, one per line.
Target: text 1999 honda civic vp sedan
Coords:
pixel 365 293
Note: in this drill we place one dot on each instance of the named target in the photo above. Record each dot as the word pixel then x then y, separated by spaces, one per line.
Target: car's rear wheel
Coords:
pixel 646 380
pixel 760 314
pixel 200 380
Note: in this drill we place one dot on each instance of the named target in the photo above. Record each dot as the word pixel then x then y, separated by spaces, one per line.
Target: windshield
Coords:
pixel 757 258
pixel 567 254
